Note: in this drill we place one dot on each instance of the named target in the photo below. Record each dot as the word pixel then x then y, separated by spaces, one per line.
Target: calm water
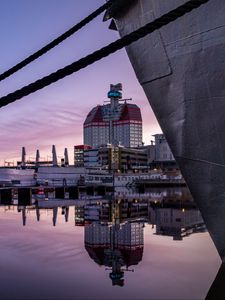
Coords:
pixel 151 246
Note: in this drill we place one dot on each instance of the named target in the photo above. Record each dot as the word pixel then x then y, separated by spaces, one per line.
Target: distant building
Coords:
pixel 114 123
pixel 159 153
pixel 162 149
pixel 122 158
pixel 110 157
pixel 91 158
pixel 150 152
pixel 79 155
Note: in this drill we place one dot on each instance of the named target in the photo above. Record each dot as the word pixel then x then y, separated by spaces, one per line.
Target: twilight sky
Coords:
pixel 55 114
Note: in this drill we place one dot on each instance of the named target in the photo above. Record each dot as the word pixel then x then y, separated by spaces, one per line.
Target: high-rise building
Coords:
pixel 117 122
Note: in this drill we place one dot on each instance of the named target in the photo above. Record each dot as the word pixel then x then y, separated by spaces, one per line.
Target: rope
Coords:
pixel 56 41
pixel 103 52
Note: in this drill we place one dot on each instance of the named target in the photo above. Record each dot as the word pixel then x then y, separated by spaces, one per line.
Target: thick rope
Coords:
pixel 103 52
pixel 56 41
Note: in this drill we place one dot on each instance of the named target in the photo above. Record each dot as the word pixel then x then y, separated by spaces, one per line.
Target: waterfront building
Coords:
pixel 158 151
pixel 162 149
pixel 110 157
pixel 79 154
pixel 122 158
pixel 150 152
pixel 163 157
pixel 91 158
pixel 115 123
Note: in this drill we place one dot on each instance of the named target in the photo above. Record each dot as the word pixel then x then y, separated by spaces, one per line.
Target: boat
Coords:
pixel 16 177
pixel 50 173
pixel 181 70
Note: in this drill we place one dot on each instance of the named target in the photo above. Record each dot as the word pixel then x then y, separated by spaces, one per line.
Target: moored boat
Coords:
pixel 16 177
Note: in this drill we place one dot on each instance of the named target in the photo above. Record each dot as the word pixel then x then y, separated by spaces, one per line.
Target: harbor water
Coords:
pixel 124 246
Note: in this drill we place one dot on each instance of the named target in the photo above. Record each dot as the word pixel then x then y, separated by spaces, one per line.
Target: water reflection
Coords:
pixel 116 246
pixel 114 226
pixel 217 289
pixel 114 236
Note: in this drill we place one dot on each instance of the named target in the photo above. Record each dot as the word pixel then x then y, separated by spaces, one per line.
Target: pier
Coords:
pixel 25 195
pixel 143 183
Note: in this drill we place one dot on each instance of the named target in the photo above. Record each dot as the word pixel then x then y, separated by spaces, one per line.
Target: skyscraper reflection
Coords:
pixel 117 244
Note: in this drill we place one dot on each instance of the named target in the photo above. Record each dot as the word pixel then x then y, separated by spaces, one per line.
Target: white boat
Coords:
pixel 59 176
pixel 17 177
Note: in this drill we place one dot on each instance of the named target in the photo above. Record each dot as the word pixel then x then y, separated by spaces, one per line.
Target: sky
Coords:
pixel 55 114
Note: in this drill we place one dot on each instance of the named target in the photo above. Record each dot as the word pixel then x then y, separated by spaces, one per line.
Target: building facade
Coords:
pixel 115 123
pixel 122 158
pixel 91 158
pixel 79 155
pixel 162 149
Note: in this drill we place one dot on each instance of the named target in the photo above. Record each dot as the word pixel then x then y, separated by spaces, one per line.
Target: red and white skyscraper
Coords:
pixel 114 123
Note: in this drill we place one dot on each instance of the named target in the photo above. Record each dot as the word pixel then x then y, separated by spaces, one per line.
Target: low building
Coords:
pixel 122 158
pixel 91 159
pixel 79 155
pixel 162 149
pixel 150 152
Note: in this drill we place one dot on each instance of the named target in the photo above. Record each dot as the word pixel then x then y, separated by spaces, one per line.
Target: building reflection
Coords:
pixel 114 226
pixel 25 209
pixel 178 223
pixel 114 231
pixel 117 244
pixel 171 212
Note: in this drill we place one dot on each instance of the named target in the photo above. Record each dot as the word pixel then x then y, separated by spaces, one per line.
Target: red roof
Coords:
pixel 82 147
pixel 130 112
pixel 95 115
pixel 131 256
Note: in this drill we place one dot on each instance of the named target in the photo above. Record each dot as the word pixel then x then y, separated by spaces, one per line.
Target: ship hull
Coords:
pixel 181 69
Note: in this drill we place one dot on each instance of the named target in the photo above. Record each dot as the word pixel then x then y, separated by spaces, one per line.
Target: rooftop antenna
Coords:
pixel 115 96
